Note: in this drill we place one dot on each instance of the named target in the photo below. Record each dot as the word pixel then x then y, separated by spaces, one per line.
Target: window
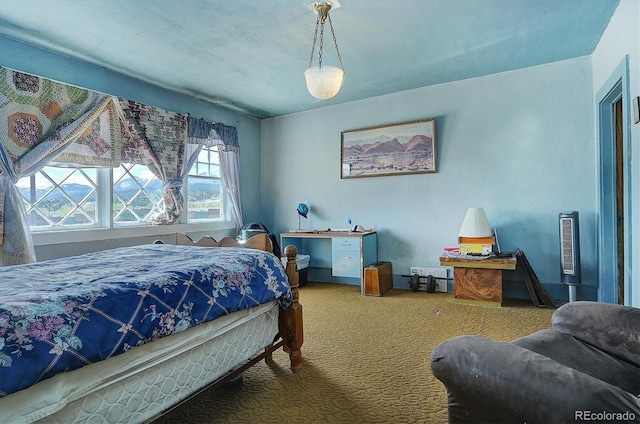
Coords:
pixel 137 194
pixel 78 198
pixel 204 187
pixel 61 197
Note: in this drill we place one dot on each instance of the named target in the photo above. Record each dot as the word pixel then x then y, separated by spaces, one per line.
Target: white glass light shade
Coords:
pixel 475 224
pixel 324 83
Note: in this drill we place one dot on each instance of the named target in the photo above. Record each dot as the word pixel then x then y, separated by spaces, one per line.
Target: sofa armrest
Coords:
pixel 492 381
pixel 612 328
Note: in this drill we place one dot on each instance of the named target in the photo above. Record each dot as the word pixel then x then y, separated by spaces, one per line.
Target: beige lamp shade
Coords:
pixel 475 224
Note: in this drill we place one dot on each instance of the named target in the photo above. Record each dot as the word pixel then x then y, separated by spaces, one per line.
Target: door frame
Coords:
pixel 616 87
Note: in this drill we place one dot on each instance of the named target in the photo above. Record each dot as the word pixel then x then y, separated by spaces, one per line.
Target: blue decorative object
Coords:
pixel 303 209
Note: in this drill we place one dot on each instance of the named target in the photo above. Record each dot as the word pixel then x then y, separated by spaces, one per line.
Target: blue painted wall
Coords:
pixel 519 144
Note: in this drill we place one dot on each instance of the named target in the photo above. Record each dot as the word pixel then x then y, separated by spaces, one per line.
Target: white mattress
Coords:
pixel 147 380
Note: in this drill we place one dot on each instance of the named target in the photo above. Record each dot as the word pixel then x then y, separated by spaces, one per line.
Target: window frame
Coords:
pixel 124 224
pixel 224 209
pixel 107 230
pixel 47 175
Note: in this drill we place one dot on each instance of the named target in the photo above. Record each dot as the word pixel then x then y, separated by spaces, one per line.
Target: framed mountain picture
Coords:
pixel 393 149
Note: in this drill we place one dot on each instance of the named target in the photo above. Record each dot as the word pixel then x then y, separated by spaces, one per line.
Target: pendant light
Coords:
pixel 323 82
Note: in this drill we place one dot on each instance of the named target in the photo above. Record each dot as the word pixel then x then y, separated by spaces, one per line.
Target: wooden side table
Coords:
pixel 478 278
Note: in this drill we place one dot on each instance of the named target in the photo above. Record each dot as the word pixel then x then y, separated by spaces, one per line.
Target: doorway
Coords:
pixel 614 192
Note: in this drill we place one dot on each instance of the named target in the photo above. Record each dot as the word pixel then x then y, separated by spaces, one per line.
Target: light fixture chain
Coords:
pixel 321 44
pixel 313 46
pixel 334 42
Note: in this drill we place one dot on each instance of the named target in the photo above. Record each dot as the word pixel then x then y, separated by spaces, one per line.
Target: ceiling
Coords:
pixel 250 55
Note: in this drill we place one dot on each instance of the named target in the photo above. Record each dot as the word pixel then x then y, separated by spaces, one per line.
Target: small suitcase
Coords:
pixel 378 279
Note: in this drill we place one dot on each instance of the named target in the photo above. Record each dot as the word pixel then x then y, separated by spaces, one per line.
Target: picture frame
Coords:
pixel 391 149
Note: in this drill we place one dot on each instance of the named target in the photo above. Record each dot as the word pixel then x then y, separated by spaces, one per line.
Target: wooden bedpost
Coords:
pixel 291 320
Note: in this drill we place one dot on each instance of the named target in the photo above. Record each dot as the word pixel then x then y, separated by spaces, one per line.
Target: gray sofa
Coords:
pixel 586 368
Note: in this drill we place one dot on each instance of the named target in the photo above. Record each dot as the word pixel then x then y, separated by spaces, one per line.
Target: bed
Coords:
pixel 124 335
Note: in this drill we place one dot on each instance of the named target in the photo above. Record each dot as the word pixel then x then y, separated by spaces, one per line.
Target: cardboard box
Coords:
pixel 378 279
pixel 476 245
pixel 477 249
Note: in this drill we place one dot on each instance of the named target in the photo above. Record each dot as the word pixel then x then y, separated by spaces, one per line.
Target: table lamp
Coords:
pixel 475 224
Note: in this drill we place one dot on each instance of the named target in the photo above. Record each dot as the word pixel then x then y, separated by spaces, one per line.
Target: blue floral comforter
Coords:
pixel 60 315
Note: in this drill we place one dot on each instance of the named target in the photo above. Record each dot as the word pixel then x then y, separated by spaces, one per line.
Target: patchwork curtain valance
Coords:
pixel 119 135
pixel 43 122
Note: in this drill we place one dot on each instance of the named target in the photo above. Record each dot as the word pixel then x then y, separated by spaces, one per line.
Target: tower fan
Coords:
pixel 570 251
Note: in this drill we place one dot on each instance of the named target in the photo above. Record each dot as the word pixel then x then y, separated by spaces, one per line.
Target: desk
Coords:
pixel 350 252
pixel 476 278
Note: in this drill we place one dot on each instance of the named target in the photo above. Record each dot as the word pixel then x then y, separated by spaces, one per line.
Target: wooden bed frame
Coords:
pixel 290 325
pixel 290 319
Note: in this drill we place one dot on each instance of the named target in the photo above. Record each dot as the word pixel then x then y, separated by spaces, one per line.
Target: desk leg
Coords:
pixel 477 284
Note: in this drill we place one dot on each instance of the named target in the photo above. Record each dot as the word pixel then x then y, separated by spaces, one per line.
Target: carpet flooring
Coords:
pixel 365 360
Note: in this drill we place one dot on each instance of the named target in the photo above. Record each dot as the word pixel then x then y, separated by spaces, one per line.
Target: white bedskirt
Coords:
pixel 143 382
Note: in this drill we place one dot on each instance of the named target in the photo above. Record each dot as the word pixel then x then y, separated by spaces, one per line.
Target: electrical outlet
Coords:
pixel 425 271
